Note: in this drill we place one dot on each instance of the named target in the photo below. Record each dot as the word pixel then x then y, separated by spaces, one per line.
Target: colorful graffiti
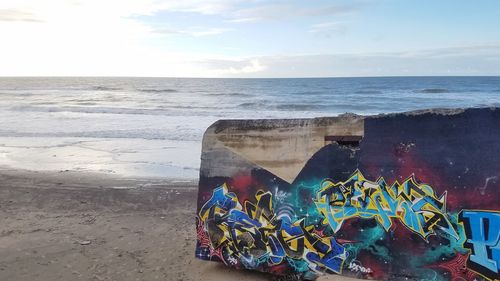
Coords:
pixel 415 205
pixel 253 237
pixel 482 229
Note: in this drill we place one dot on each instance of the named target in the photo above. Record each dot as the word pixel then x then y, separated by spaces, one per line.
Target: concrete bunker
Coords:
pixel 407 196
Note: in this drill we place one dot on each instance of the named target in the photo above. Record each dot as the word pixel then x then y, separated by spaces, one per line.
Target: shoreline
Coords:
pixel 120 157
pixel 93 179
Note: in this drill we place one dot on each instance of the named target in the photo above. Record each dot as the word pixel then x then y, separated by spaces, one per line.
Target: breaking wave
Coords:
pixel 157 90
pixel 105 88
pixel 433 91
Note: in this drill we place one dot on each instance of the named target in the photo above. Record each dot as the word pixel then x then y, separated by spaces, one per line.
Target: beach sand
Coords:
pixel 81 226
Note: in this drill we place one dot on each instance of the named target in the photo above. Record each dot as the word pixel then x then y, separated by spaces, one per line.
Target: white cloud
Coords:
pixel 327 27
pixel 195 31
pixel 286 11
pixel 239 11
pixel 243 20
pixel 222 67
pixel 465 60
pixel 208 31
pixel 16 15
pixel 206 7
pixel 253 67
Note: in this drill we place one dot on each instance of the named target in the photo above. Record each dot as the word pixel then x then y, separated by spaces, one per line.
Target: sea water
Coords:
pixel 152 127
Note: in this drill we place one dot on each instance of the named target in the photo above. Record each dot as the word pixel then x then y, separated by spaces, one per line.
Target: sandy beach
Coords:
pixel 81 226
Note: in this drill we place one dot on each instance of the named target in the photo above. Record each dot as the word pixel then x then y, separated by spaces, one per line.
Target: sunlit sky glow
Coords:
pixel 218 38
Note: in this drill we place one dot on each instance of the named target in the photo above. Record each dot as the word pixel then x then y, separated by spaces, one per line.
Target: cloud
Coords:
pixel 286 11
pixel 460 51
pixel 465 60
pixel 209 31
pixel 239 11
pixel 194 32
pixel 7 15
pixel 205 7
pixel 168 31
pixel 329 10
pixel 234 67
pixel 327 27
pixel 243 20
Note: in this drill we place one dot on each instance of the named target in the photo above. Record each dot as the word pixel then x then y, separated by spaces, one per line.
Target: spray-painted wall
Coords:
pixel 411 196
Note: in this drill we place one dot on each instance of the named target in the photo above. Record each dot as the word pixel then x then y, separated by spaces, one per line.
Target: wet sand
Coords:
pixel 80 226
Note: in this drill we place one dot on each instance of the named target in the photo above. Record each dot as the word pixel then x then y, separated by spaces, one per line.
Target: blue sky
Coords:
pixel 219 38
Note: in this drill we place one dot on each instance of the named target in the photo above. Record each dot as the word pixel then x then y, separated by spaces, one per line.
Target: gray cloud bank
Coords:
pixel 471 60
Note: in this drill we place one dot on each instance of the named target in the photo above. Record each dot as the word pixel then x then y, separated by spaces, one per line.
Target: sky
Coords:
pixel 252 38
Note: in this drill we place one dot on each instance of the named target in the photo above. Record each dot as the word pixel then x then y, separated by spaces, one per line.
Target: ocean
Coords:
pixel 152 127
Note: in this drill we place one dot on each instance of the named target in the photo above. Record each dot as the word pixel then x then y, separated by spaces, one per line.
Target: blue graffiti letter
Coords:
pixel 482 229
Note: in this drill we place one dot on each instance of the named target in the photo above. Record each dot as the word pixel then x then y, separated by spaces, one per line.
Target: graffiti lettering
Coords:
pixel 253 236
pixel 482 229
pixel 415 205
pixel 357 267
pixel 280 196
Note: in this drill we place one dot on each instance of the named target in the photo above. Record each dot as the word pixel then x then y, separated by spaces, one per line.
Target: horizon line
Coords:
pixel 206 77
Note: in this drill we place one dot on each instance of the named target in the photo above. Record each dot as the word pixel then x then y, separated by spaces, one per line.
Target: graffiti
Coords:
pixel 357 267
pixel 415 205
pixel 482 230
pixel 251 236
pixel 456 268
pixel 281 196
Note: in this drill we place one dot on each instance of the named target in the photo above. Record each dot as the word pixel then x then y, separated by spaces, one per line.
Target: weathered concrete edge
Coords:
pixel 283 146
